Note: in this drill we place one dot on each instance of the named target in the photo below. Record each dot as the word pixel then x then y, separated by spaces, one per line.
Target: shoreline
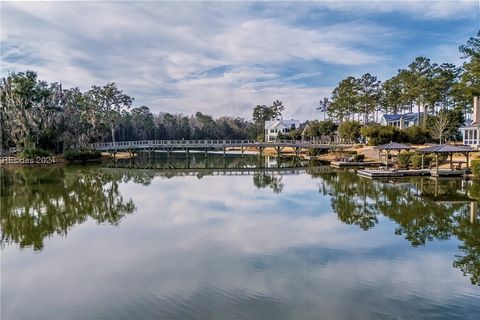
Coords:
pixel 369 152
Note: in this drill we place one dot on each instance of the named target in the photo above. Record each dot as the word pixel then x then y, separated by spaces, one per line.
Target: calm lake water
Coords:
pixel 97 242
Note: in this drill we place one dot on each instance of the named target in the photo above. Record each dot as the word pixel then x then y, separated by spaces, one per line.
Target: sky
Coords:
pixel 223 58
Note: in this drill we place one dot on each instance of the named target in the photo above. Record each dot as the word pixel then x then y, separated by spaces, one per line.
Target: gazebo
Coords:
pixel 448 150
pixel 392 146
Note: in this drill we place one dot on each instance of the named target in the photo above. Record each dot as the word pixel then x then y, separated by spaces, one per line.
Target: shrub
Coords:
pixel 405 158
pixel 350 131
pixel 327 128
pixel 81 155
pixel 416 135
pixel 344 155
pixel 416 161
pixel 316 151
pixel 318 129
pixel 475 191
pixel 260 137
pixel 31 153
pixel 378 134
pixel 358 157
pixel 476 168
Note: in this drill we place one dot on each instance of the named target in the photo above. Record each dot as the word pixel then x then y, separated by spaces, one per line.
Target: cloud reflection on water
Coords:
pixel 220 247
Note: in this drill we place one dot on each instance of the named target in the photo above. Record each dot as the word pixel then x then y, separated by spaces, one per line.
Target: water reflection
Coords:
pixel 263 180
pixel 196 161
pixel 423 209
pixel 39 203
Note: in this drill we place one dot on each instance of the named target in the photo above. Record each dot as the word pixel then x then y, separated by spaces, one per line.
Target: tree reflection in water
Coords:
pixel 37 204
pixel 263 180
pixel 423 209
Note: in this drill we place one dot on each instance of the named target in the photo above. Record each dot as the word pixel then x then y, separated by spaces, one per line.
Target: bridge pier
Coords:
pixel 279 150
pixel 297 151
pixel 149 152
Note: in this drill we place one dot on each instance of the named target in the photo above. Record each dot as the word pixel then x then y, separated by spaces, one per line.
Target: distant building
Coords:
pixel 401 121
pixel 274 127
pixel 471 131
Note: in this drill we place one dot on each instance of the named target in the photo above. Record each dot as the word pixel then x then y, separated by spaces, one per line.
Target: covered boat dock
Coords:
pixel 449 151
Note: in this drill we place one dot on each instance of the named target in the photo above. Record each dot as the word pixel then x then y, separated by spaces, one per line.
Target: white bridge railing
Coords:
pixel 165 143
pixel 210 143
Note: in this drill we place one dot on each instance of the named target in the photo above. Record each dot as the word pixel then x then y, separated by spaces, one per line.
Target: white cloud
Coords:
pixel 425 9
pixel 161 52
pixel 169 251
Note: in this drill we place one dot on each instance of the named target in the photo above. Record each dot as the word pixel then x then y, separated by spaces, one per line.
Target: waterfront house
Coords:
pixel 277 126
pixel 471 131
pixel 401 121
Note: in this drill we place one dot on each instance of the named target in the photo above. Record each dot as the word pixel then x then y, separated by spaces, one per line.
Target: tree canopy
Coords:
pixel 424 87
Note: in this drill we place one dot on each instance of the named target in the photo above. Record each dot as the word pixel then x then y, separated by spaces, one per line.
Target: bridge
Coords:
pixel 187 145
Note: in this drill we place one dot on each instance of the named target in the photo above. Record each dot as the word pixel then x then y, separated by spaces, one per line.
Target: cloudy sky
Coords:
pixel 223 58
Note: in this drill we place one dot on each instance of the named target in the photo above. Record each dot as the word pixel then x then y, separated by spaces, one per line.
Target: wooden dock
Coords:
pixel 448 173
pixel 346 164
pixel 379 174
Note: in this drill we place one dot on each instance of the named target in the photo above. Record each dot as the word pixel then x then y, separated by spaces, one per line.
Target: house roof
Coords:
pixel 446 148
pixel 303 128
pixel 405 117
pixel 471 125
pixel 286 123
pixel 394 146
pixel 271 124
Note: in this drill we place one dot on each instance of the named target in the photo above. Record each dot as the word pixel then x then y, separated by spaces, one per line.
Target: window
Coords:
pixel 471 137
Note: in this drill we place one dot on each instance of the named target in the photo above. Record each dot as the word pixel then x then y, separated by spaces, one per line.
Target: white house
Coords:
pixel 401 121
pixel 471 132
pixel 274 127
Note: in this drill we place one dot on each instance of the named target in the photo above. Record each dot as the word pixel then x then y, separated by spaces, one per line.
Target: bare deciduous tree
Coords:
pixel 440 128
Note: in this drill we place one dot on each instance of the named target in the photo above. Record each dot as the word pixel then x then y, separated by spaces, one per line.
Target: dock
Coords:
pixel 448 173
pixel 378 174
pixel 346 164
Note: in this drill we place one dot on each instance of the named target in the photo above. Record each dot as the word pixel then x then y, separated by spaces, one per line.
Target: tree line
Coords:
pixel 44 115
pixel 422 87
pixel 35 113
